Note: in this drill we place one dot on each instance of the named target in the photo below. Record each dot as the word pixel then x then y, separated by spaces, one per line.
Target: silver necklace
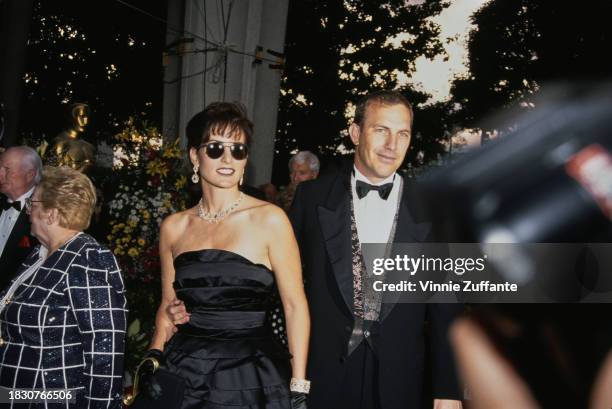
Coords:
pixel 220 215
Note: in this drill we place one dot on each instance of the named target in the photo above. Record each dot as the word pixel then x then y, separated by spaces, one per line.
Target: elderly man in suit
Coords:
pixel 365 353
pixel 303 166
pixel 20 171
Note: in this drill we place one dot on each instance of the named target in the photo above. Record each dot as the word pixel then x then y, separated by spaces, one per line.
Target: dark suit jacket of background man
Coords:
pixel 321 219
pixel 17 248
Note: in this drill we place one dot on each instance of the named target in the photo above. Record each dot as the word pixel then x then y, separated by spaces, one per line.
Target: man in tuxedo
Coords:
pixel 365 353
pixel 20 171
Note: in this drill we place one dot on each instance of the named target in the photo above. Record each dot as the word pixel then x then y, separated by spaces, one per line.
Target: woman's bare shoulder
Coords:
pixel 267 214
pixel 253 202
pixel 176 223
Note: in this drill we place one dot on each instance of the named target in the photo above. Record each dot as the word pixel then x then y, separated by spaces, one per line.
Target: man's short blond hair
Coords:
pixel 71 193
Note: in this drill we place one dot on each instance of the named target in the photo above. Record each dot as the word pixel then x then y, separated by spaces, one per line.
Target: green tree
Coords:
pixel 338 51
pixel 520 46
pixel 101 53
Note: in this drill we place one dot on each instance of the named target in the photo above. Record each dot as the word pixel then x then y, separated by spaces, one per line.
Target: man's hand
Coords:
pixel 492 380
pixel 164 329
pixel 177 313
pixel 447 404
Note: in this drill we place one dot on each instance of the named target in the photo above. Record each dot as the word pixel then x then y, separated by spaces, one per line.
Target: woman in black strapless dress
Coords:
pixel 224 259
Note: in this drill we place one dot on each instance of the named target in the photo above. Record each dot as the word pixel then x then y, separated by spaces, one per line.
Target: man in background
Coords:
pixel 20 171
pixel 303 166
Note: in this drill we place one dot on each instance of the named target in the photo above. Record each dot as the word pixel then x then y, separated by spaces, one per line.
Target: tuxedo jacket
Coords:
pixel 321 220
pixel 20 243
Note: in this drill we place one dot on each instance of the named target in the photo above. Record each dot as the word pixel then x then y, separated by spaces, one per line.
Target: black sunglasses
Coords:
pixel 215 149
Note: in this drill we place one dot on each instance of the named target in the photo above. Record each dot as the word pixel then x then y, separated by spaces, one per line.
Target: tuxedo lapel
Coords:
pixel 21 228
pixel 16 249
pixel 335 221
pixel 407 231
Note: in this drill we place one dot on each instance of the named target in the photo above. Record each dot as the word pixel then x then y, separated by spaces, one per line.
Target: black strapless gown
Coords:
pixel 227 353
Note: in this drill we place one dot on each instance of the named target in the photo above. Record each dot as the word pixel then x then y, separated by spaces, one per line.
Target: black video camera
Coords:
pixel 547 179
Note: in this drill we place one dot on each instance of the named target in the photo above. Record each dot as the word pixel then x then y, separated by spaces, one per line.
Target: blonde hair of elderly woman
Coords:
pixel 71 193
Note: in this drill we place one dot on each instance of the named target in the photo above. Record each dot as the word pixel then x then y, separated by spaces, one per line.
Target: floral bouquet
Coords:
pixel 150 186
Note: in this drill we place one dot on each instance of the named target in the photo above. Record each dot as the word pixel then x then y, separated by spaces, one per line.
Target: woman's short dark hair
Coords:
pixel 218 118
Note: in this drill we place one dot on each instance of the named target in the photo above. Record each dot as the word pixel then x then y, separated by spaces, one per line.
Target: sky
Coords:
pixel 435 76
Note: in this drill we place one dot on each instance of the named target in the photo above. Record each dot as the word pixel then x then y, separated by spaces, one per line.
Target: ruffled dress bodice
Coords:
pixel 227 352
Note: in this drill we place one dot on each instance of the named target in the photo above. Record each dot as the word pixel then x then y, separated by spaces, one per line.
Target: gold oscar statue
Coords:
pixel 68 149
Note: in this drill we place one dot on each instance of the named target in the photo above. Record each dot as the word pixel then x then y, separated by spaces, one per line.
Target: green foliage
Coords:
pixel 100 53
pixel 520 46
pixel 150 187
pixel 338 51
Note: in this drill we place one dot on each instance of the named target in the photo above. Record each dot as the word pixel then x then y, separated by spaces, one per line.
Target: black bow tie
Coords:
pixel 364 188
pixel 5 205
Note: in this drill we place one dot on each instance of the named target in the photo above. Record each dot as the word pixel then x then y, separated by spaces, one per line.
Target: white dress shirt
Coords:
pixel 373 215
pixel 9 217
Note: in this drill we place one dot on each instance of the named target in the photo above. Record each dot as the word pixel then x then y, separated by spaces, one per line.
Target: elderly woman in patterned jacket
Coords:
pixel 63 318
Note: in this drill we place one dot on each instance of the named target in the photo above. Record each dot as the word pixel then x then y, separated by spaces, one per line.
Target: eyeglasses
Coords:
pixel 28 203
pixel 215 149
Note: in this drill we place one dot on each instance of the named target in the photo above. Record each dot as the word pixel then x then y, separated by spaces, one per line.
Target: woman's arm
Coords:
pixel 164 328
pixel 285 261
pixel 97 298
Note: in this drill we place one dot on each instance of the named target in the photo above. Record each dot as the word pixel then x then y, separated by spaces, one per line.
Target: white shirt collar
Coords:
pixel 360 176
pixel 23 197
pixel 374 217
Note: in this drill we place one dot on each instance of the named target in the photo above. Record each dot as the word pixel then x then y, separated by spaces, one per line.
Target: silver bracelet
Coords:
pixel 299 385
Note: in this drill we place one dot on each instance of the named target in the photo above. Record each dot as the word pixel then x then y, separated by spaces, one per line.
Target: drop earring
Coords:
pixel 241 180
pixel 195 178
